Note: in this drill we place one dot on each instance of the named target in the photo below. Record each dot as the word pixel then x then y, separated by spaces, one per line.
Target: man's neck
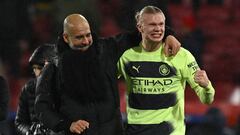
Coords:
pixel 150 46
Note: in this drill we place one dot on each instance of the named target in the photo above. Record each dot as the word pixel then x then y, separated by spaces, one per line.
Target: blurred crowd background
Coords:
pixel 210 29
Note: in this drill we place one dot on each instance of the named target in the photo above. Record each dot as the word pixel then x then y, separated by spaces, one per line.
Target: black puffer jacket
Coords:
pixel 4 98
pixel 26 119
pixel 58 107
pixel 103 115
pixel 25 113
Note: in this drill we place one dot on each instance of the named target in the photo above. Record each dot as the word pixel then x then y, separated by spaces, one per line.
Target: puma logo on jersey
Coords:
pixel 136 68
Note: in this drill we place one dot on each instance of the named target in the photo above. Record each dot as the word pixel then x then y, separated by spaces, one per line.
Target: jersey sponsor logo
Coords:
pixel 148 90
pixel 148 82
pixel 149 69
pixel 150 86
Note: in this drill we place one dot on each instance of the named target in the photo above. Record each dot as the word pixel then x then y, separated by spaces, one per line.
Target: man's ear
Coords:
pixel 139 27
pixel 65 37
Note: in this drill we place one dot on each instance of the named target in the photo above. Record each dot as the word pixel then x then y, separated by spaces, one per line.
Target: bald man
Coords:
pixel 78 93
pixel 77 33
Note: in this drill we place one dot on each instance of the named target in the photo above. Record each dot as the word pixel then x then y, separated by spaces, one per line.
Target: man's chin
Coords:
pixel 82 48
pixel 156 40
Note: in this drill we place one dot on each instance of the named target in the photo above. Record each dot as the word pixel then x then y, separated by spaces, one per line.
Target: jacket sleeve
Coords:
pixel 4 98
pixel 120 43
pixel 168 31
pixel 22 120
pixel 47 102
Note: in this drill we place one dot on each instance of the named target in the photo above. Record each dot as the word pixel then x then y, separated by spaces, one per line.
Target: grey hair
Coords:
pixel 147 10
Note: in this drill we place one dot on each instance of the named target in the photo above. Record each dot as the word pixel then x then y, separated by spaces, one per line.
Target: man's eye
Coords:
pixel 88 35
pixel 79 37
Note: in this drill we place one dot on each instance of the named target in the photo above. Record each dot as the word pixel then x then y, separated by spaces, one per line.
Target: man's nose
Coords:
pixel 157 28
pixel 85 40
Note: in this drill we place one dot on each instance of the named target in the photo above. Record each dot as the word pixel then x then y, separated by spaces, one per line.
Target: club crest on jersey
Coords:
pixel 164 69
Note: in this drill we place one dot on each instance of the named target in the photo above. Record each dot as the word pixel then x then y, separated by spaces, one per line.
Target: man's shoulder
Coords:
pixel 30 85
pixel 183 52
pixel 136 49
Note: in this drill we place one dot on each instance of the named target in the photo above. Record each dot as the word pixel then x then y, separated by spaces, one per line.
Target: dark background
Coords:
pixel 210 29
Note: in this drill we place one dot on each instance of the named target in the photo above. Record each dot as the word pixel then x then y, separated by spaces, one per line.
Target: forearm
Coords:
pixel 206 95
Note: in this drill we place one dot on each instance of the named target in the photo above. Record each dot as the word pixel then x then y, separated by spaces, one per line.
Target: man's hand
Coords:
pixel 201 78
pixel 172 46
pixel 79 126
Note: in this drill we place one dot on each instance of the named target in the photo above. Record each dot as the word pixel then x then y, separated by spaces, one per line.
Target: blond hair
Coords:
pixel 147 10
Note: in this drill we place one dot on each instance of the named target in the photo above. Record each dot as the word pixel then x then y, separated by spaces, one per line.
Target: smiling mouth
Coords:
pixel 156 35
pixel 81 46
